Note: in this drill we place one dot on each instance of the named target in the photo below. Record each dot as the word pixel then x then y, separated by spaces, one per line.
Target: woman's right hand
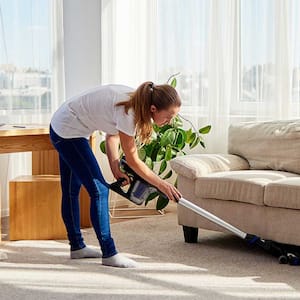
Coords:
pixel 169 190
pixel 118 174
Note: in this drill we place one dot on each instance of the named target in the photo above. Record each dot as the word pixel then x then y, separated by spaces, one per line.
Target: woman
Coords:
pixel 122 114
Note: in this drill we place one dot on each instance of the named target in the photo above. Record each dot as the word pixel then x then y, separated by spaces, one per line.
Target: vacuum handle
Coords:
pixel 117 187
pixel 204 213
pixel 129 171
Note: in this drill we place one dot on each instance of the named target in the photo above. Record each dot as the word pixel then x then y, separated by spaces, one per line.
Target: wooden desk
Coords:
pixel 30 138
pixel 35 138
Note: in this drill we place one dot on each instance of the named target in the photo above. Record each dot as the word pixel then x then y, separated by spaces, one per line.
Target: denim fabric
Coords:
pixel 78 165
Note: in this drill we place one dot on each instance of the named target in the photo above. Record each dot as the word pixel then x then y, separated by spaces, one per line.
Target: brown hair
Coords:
pixel 161 96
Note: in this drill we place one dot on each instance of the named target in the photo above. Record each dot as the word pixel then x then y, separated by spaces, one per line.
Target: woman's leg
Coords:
pixel 79 158
pixel 70 185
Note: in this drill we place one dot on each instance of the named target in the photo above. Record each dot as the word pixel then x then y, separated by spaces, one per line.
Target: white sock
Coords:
pixel 85 252
pixel 120 261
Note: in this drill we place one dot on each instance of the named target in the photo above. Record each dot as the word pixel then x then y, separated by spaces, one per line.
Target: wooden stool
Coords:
pixel 35 208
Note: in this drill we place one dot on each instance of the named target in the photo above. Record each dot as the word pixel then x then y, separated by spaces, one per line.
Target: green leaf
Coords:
pixel 168 175
pixel 202 144
pixel 192 138
pixel 149 148
pixel 195 143
pixel 156 128
pixel 149 162
pixel 180 141
pixel 164 128
pixel 183 132
pixel 172 76
pixel 151 197
pixel 162 202
pixel 205 129
pixel 174 82
pixel 163 166
pixel 168 155
pixel 168 137
pixel 103 147
pixel 160 154
pixel 174 152
pixel 177 122
pixel 142 154
pixel 155 151
pixel 188 135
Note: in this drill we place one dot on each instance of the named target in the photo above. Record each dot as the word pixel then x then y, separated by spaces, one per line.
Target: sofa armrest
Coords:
pixel 196 165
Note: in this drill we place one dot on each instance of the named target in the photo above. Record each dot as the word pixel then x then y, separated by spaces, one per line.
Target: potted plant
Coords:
pixel 167 142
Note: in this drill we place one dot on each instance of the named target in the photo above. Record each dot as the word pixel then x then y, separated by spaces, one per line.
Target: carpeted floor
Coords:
pixel 220 266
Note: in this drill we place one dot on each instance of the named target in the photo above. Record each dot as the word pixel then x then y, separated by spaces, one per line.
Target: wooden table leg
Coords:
pixel 45 162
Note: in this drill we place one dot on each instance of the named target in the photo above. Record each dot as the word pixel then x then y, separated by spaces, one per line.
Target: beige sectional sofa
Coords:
pixel 255 186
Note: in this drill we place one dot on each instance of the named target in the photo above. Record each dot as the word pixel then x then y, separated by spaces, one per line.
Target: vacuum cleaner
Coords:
pixel 139 190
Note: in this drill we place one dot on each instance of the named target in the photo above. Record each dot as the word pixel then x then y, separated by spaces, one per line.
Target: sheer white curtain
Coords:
pixel 270 59
pixel 238 60
pixel 222 69
pixel 31 72
pixel 58 89
pixel 129 37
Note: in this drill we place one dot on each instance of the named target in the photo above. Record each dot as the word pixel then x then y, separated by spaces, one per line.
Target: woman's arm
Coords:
pixel 132 159
pixel 112 150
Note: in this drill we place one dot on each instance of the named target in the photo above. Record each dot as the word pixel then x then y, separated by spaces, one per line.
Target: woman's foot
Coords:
pixel 119 261
pixel 85 252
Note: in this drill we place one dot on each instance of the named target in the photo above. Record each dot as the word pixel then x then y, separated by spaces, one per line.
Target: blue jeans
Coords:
pixel 78 165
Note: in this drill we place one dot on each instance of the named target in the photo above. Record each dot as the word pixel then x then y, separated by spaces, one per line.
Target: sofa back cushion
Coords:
pixel 267 145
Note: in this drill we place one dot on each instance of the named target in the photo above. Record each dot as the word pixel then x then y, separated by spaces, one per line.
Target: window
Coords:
pixel 25 57
pixel 269 47
pixel 182 47
pixel 257 56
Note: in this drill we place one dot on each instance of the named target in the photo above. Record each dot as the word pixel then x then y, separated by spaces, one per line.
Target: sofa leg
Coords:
pixel 190 234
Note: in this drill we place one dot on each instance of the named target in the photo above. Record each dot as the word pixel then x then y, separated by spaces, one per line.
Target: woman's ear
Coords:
pixel 153 108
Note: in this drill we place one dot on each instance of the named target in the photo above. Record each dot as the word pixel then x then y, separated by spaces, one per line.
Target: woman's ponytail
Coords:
pixel 147 94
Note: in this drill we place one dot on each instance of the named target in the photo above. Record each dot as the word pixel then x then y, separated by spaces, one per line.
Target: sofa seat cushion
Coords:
pixel 243 186
pixel 283 193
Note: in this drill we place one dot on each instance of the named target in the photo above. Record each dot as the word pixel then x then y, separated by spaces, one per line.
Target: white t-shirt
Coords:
pixel 94 110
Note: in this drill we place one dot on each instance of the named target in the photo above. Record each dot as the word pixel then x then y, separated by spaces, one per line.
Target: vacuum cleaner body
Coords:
pixel 139 189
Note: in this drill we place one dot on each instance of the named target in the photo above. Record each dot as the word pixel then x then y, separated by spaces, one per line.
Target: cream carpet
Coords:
pixel 220 266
